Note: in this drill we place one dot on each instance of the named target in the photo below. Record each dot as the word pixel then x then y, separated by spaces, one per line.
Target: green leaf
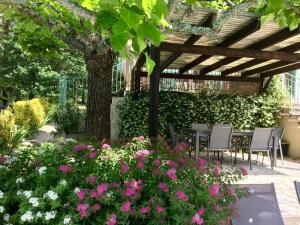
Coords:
pixel 147 30
pixel 118 41
pixel 267 17
pixel 9 12
pixel 148 6
pixel 106 19
pixel 149 64
pixel 130 17
pixel 30 26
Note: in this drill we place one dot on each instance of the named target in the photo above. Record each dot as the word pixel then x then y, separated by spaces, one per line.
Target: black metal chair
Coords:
pixel 279 131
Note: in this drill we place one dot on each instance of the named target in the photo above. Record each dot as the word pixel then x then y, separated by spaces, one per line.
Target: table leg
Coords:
pixel 197 145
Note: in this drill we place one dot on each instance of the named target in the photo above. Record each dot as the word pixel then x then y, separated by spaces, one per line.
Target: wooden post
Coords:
pixel 154 93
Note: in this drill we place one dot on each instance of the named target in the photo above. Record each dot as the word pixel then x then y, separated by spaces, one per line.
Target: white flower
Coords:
pixel 63 182
pixel 50 215
pixel 19 193
pixel 109 194
pixel 34 202
pixel 51 195
pixel 1 194
pixel 1 209
pixel 27 216
pixel 77 189
pixel 67 220
pixel 20 180
pixel 6 217
pixel 27 194
pixel 39 214
pixel 42 170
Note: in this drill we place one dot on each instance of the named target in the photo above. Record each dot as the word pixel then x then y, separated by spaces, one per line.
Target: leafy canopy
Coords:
pixel 45 27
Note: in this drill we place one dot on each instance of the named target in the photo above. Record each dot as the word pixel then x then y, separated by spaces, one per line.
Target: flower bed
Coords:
pixel 63 183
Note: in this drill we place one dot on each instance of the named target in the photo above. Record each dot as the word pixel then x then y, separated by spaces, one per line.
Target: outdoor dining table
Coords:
pixel 235 133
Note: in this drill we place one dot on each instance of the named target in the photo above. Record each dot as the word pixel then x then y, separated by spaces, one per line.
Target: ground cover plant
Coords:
pixel 136 183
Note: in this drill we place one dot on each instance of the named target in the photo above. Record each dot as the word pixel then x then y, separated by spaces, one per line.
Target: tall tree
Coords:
pixel 100 29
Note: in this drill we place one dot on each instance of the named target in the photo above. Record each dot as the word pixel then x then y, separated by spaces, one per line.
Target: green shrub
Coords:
pixel 182 109
pixel 63 183
pixel 29 114
pixel 6 127
pixel 68 119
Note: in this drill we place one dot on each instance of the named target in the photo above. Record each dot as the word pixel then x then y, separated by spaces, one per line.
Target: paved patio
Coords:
pixel 283 176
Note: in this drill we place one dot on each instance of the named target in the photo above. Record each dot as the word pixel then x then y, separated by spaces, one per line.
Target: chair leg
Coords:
pixel 235 158
pixel 270 157
pixel 221 157
pixel 262 162
pixel 250 153
pixel 231 158
pixel 243 155
pixel 208 156
pixel 280 149
pixel 257 158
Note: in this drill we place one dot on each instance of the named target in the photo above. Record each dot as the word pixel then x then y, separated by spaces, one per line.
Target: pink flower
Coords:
pixel 102 188
pixel 128 144
pixel 201 211
pixel 80 195
pixel 91 179
pixel 214 189
pixel 129 192
pixel 124 167
pixel 243 171
pixel 65 168
pixel 181 160
pixel 105 158
pixel 105 146
pixel 141 153
pixel 160 209
pixel 81 208
pixel 92 155
pixel 217 208
pixel 172 174
pixel 115 185
pixel 141 138
pixel 156 162
pixel 112 220
pixel 181 195
pixel 132 188
pixel 93 194
pixel 140 164
pixel 171 163
pixel 216 170
pixel 145 210
pixel 79 147
pixel 156 171
pixel 202 163
pixel 230 191
pixel 96 207
pixel 163 186
pixel 180 147
pixel 126 206
pixel 2 159
pixel 216 163
pixel 197 219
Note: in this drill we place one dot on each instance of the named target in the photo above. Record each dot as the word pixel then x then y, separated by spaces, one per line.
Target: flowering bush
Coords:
pixel 67 183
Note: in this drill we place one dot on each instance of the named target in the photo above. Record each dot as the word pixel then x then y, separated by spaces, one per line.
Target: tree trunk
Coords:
pixel 99 67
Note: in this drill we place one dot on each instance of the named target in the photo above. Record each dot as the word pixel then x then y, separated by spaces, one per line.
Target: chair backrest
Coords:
pixel 279 131
pixel 199 126
pixel 261 139
pixel 173 135
pixel 220 137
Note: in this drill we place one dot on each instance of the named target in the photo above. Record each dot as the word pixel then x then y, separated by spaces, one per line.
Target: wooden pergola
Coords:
pixel 242 50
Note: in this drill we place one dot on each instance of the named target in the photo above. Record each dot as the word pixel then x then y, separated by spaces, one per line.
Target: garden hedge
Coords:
pixel 182 109
pixel 6 126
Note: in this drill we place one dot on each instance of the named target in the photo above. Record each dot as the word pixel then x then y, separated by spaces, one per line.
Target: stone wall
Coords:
pixel 114 117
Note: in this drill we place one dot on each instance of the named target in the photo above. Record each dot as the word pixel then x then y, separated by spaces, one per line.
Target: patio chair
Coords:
pixel 175 137
pixel 279 131
pixel 220 141
pixel 260 142
pixel 203 140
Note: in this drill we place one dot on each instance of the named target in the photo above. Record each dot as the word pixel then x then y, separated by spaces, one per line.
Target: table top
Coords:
pixel 235 132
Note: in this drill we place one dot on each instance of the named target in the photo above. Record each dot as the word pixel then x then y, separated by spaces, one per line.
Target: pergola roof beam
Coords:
pixel 268 67
pixel 253 62
pixel 207 77
pixel 231 52
pixel 232 39
pixel 280 70
pixel 267 42
pixel 190 41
